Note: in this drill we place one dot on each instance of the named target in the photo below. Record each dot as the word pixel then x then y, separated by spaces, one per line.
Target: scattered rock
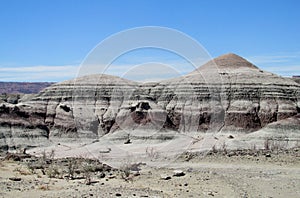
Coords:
pixel 101 175
pixel 94 141
pixel 230 154
pixel 112 176
pixel 268 155
pixel 15 179
pixel 178 173
pixel 107 150
pixel 165 177
pixel 210 193
pixel 118 194
pixel 127 141
pixel 230 137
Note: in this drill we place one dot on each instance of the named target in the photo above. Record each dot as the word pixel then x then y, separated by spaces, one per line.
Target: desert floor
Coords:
pixel 217 174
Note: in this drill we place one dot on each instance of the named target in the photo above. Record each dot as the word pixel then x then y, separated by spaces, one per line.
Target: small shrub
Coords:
pixel 214 149
pixel 44 187
pixel 53 172
pixel 52 154
pixel 125 172
pixel 127 168
pixel 267 143
pixel 31 167
pixel 152 153
pixel 276 144
pixel 88 178
pixel 44 156
pixel 72 166
pixel 254 148
pixel 224 148
pixel 88 169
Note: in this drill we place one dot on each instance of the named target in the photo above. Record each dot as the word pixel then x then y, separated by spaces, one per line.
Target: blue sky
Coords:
pixel 47 40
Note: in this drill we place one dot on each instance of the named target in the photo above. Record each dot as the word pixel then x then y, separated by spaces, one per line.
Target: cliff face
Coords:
pixel 227 93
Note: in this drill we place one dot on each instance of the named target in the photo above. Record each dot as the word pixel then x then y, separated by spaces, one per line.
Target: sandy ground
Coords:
pixel 272 174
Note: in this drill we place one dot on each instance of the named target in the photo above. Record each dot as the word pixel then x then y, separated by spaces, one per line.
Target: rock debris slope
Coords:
pixel 225 94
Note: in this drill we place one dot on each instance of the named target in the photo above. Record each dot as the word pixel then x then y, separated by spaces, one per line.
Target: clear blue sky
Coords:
pixel 48 39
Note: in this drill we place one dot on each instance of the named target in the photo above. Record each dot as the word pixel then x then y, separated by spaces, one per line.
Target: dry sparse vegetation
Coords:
pixel 152 153
pixel 271 144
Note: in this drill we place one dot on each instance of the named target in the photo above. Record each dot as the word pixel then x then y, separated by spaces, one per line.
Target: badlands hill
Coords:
pixel 226 94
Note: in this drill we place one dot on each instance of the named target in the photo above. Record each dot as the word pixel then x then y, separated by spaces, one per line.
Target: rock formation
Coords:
pixel 227 93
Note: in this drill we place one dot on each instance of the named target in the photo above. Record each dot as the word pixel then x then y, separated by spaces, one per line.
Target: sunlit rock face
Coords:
pixel 227 93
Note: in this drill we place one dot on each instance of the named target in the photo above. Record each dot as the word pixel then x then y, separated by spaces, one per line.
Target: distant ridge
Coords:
pixel 296 79
pixel 23 87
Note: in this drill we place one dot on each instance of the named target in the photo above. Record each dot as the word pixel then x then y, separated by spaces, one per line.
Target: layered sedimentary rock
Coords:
pixel 227 93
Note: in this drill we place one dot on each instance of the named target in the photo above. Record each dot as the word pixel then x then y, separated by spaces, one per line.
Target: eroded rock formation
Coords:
pixel 227 93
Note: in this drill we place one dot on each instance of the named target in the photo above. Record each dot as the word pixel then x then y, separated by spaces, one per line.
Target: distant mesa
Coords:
pixel 23 87
pixel 296 78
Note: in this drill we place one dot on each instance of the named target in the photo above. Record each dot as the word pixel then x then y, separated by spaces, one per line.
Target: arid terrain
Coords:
pixel 157 99
pixel 227 129
pixel 219 173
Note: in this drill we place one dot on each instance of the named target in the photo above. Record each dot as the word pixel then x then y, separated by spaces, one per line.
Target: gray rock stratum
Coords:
pixel 225 94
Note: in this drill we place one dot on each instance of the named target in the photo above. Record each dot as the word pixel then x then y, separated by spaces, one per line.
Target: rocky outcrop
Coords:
pixel 10 98
pixel 227 93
